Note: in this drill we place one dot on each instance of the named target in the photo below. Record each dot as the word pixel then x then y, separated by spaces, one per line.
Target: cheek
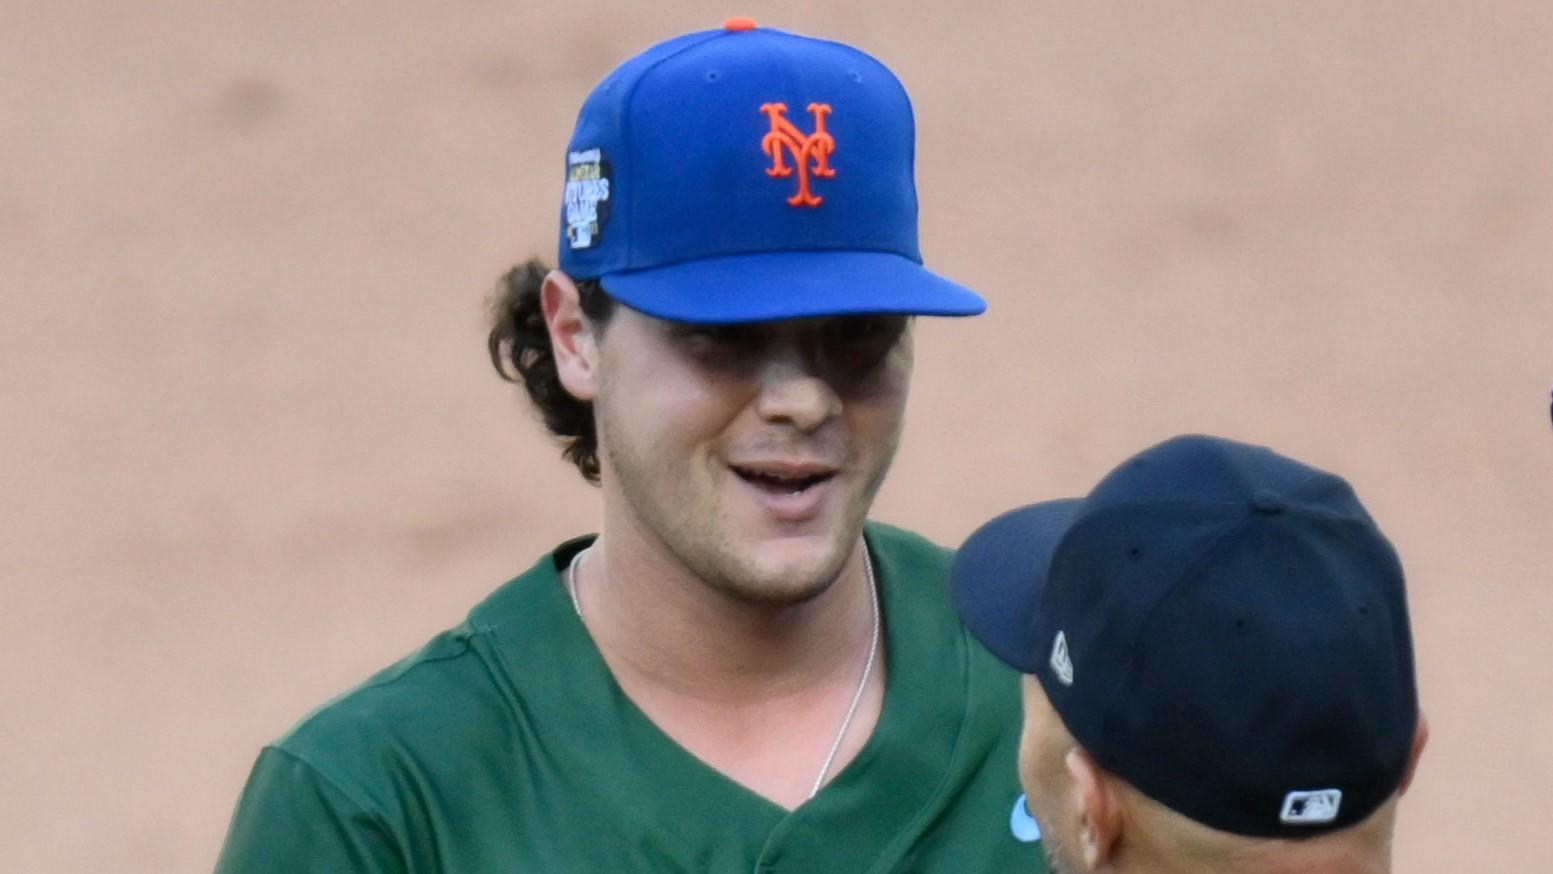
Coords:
pixel 1026 762
pixel 670 410
pixel 893 377
pixel 1040 767
pixel 1042 750
pixel 877 405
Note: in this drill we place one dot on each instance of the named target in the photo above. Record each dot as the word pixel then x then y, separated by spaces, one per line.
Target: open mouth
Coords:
pixel 782 482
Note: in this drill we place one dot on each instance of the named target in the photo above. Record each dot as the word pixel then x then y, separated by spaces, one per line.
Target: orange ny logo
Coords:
pixel 803 148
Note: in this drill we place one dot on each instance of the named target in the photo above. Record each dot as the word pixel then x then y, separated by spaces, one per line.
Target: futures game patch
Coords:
pixel 587 196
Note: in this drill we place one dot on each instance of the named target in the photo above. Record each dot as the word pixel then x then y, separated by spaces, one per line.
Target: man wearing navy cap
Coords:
pixel 1219 665
pixel 738 672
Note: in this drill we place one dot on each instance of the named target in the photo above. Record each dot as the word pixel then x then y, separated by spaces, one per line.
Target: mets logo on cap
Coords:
pixel 810 152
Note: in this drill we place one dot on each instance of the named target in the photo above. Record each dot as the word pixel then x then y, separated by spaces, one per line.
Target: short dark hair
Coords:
pixel 519 346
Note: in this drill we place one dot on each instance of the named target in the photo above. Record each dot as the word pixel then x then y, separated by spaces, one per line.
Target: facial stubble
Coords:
pixel 699 541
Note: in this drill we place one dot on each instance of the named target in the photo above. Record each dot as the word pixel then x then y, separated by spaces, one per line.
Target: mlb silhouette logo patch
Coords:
pixel 810 152
pixel 1311 806
pixel 586 196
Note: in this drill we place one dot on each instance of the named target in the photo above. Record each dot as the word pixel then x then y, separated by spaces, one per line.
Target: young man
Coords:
pixel 1220 666
pixel 737 673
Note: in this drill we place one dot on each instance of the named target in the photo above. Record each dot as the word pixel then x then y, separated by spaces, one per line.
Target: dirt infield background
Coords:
pixel 252 449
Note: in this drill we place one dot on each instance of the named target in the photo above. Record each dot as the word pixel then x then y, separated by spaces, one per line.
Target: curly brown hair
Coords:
pixel 519 346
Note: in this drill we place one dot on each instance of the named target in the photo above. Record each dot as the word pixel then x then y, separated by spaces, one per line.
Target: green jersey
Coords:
pixel 505 745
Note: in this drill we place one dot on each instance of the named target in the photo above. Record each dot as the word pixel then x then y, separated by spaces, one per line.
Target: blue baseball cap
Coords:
pixel 1223 627
pixel 747 174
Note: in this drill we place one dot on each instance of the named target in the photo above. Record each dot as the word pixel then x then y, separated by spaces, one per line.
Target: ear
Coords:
pixel 1098 807
pixel 1420 740
pixel 572 339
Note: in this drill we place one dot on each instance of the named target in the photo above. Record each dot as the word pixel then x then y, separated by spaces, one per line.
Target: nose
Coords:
pixel 794 394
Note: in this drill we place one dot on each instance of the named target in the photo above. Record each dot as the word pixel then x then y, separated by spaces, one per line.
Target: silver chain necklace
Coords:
pixel 868 666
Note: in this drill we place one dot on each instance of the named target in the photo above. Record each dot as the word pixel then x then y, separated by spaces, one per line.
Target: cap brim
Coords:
pixel 999 576
pixel 769 286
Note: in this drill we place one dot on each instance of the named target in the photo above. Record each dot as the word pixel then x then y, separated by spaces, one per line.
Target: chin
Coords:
pixel 789 572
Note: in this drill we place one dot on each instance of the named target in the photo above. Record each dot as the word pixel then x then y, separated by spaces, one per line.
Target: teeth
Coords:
pixel 796 483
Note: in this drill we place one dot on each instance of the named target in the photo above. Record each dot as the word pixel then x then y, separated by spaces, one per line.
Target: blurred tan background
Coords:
pixel 252 449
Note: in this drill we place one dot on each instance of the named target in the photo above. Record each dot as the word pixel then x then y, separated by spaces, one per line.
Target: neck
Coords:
pixel 777 698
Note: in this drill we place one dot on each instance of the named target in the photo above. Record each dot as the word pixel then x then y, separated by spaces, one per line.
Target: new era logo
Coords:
pixel 1062 665
pixel 1311 806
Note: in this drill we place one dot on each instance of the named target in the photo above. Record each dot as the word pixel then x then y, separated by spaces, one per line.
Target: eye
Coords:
pixel 867 329
pixel 720 341
pixel 721 334
pixel 857 345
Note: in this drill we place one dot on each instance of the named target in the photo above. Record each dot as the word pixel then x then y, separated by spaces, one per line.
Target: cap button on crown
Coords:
pixel 1268 501
pixel 735 25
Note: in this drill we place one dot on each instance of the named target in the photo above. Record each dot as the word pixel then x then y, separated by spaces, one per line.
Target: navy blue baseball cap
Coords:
pixel 747 174
pixel 1223 627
